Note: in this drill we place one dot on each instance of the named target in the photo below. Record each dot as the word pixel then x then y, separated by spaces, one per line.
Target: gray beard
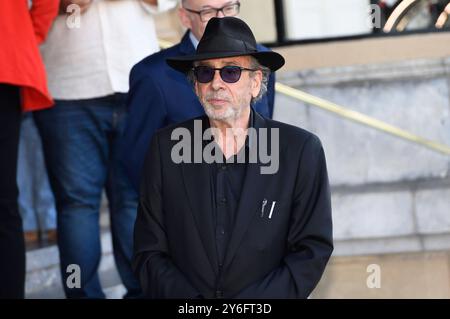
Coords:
pixel 230 113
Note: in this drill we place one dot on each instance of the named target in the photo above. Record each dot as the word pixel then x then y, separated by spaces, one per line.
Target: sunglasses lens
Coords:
pixel 204 74
pixel 230 74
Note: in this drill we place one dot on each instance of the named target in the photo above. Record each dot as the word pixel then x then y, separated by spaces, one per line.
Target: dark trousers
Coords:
pixel 12 247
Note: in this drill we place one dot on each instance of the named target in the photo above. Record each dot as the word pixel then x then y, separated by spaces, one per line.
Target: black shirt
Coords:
pixel 227 179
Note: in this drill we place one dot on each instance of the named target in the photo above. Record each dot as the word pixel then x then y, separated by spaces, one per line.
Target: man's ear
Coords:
pixel 184 18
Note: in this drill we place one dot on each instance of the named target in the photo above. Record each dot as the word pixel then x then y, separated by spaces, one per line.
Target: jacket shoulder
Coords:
pixel 153 63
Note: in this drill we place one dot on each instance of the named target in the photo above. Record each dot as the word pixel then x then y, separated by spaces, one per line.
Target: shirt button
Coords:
pixel 223 200
pixel 223 167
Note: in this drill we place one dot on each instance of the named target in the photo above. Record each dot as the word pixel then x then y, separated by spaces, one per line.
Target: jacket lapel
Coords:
pixel 197 182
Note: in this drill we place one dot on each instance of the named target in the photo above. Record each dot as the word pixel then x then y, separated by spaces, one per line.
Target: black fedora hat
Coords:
pixel 227 37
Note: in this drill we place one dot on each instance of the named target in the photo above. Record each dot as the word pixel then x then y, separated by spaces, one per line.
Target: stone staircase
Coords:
pixel 390 197
pixel 43 278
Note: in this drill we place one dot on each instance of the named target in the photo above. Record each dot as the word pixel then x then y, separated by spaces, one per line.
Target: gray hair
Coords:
pixel 191 76
pixel 255 65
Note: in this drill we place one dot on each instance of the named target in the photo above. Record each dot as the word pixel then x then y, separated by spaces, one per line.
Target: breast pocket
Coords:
pixel 272 210
pixel 269 229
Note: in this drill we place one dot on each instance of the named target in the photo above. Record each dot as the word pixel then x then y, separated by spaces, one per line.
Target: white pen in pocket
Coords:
pixel 264 203
pixel 271 209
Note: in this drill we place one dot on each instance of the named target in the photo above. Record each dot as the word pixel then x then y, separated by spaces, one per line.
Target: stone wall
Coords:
pixel 391 198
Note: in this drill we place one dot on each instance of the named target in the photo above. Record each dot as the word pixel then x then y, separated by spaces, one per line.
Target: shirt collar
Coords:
pixel 194 40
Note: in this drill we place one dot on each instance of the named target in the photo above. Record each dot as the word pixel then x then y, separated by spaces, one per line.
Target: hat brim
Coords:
pixel 269 59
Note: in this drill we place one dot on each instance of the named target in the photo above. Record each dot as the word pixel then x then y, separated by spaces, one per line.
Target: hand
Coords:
pixel 83 4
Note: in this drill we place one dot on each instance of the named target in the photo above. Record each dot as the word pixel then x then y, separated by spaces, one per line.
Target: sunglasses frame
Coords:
pixel 234 67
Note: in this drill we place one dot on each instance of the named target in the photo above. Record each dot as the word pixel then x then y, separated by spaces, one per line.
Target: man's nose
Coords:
pixel 217 81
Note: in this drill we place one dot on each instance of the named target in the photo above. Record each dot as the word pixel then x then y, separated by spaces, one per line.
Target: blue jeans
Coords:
pixel 81 140
pixel 36 202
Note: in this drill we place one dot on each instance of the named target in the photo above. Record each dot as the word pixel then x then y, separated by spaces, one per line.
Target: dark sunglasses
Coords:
pixel 229 73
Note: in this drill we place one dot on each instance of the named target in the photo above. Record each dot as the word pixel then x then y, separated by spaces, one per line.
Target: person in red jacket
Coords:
pixel 23 87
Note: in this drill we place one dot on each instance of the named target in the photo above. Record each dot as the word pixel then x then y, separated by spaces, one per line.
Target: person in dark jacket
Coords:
pixel 232 204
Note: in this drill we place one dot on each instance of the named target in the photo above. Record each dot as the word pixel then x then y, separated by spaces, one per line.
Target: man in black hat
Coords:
pixel 214 219
pixel 151 101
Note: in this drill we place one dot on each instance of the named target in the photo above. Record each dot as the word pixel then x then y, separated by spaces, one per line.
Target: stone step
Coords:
pixel 43 278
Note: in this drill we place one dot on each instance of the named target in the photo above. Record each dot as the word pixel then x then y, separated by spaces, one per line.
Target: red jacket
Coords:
pixel 21 31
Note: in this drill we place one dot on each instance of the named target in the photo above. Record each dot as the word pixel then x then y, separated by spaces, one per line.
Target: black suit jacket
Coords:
pixel 279 257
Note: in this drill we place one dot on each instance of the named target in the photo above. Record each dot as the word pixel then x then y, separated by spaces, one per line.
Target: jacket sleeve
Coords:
pixel 42 13
pixel 158 275
pixel 146 114
pixel 309 242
